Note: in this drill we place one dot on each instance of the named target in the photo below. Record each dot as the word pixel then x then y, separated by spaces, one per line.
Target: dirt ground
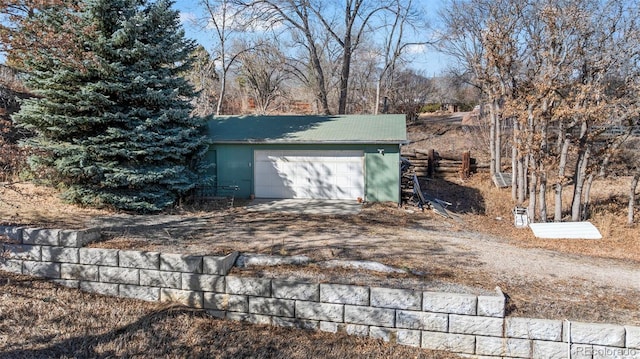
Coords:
pixel 583 280
pixel 42 320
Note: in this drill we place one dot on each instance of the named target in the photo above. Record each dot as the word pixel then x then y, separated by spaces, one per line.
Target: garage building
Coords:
pixel 310 157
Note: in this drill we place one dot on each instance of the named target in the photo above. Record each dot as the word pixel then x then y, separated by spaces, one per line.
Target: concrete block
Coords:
pixel 69 283
pixel 491 306
pixel 464 324
pixel 189 298
pixel 295 290
pixel 12 232
pixel 11 265
pixel 598 334
pixel 41 269
pixel 455 343
pixel 78 238
pixel 513 348
pixel 633 337
pixel 22 251
pixel 180 263
pixel 48 237
pixel 228 302
pixel 83 272
pixel 434 322
pixel 203 282
pixel 344 294
pixel 355 329
pixel 248 286
pixel 119 275
pixel 396 298
pixel 320 311
pixel 539 329
pixel 149 294
pixel 399 336
pixel 60 254
pixel 295 323
pixel 250 318
pixel 271 306
pixel 379 317
pixel 163 279
pixel 601 352
pixel 139 259
pixel 218 314
pixel 218 265
pixel 549 350
pixel 329 327
pixel 581 351
pixel 100 288
pixel 449 303
pixel 99 256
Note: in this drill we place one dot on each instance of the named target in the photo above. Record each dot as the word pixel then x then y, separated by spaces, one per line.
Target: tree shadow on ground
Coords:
pixel 463 199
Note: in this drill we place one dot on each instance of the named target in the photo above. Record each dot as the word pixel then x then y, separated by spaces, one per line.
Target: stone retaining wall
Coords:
pixel 466 324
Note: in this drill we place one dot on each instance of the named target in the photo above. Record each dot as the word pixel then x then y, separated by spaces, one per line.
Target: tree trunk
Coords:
pixel 579 181
pixel 514 160
pixel 557 217
pixel 493 113
pixel 344 77
pixel 632 197
pixel 223 86
pixel 586 198
pixel 543 196
pixel 533 183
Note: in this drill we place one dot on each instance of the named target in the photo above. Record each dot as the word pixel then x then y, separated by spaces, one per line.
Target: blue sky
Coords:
pixel 430 61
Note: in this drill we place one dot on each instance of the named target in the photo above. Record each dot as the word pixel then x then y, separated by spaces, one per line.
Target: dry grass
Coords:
pixel 42 320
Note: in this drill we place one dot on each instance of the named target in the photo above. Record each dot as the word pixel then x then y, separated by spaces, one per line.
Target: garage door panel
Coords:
pixel 309 174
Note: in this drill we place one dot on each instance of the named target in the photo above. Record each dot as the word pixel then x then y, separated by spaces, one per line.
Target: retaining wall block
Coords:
pixel 491 306
pixel 320 311
pixel 449 303
pixel 99 256
pixel 598 334
pixel 601 352
pixel 204 282
pixel 79 238
pixel 633 337
pixel 249 317
pixel 259 287
pixel 350 329
pixel 83 272
pixel 464 324
pixel 100 288
pixel 11 265
pixel 189 298
pixel 581 351
pixel 48 237
pixel 505 347
pixel 158 278
pixel 41 269
pixel 435 322
pixel 12 232
pixel 549 350
pixel 396 298
pixel 455 343
pixel 296 323
pixel 219 265
pixel 22 251
pixel 149 294
pixel 399 336
pixel 119 275
pixel 295 290
pixel 272 306
pixel 139 259
pixel 539 329
pixel 344 294
pixel 180 263
pixel 60 254
pixel 226 302
pixel 379 317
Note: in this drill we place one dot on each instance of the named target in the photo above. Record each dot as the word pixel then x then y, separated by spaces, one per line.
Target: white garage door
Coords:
pixel 309 174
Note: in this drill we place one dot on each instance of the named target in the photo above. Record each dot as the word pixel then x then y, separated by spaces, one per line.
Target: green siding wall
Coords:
pixel 234 166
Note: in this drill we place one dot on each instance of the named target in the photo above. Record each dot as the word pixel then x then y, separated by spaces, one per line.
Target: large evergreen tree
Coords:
pixel 118 128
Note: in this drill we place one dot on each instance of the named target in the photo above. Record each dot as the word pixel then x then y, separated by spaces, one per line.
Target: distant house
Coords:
pixel 315 157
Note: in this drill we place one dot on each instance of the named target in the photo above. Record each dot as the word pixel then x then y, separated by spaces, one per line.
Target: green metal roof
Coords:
pixel 309 129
